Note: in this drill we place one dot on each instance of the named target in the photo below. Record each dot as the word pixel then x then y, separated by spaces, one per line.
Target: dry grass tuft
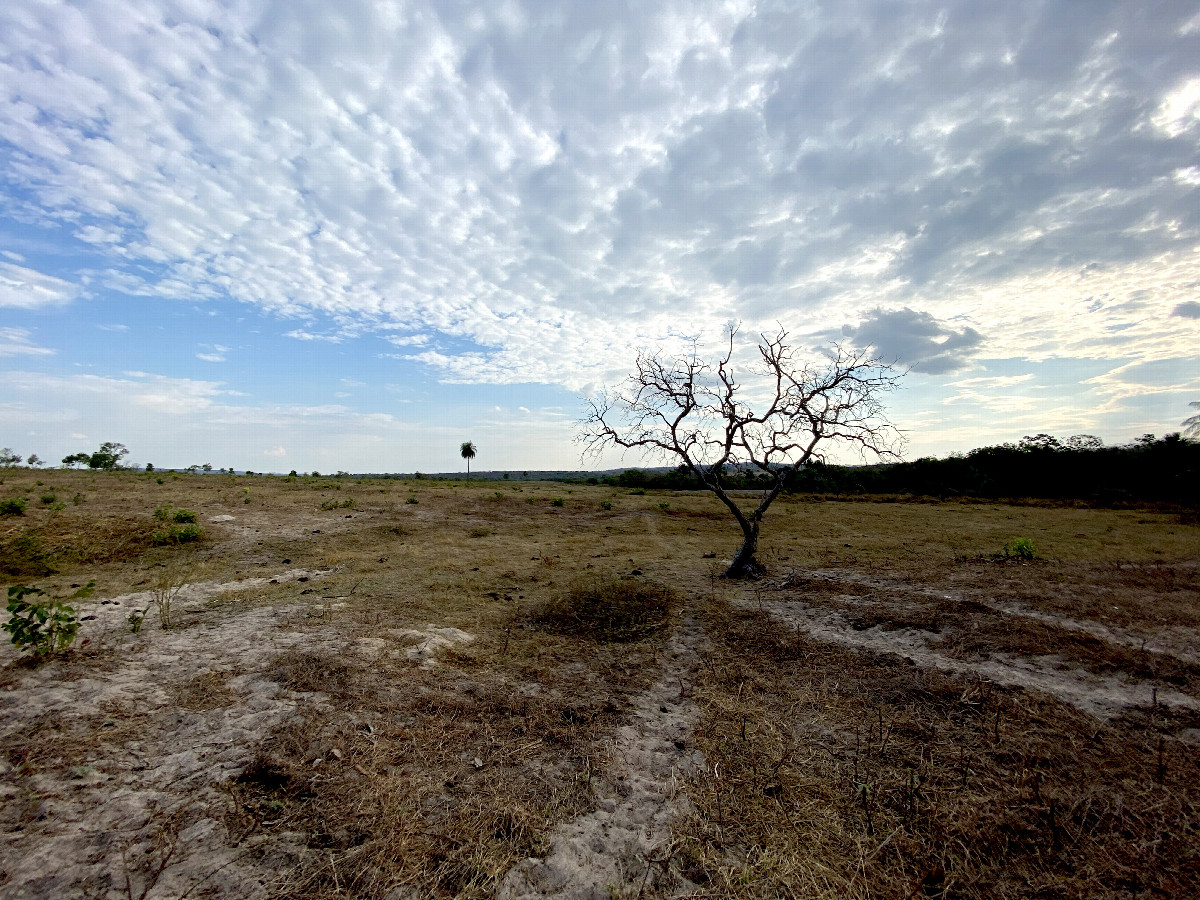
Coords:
pixel 617 610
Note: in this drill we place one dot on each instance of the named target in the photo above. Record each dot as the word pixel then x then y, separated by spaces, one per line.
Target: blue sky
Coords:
pixel 352 235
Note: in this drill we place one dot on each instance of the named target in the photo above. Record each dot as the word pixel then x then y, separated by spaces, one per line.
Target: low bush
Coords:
pixel 178 534
pixel 13 506
pixel 335 504
pixel 557 501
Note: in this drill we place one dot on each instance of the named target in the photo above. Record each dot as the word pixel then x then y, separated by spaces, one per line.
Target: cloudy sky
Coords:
pixel 314 235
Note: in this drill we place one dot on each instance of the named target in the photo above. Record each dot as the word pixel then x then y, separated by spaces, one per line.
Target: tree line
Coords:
pixel 1150 468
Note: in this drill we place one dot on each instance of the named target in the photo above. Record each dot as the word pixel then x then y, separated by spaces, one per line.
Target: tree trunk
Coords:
pixel 744 565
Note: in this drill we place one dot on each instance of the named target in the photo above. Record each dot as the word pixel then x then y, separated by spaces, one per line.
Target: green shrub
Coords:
pixel 638 492
pixel 169 513
pixel 1020 548
pixel 43 628
pixel 622 609
pixel 412 500
pixel 334 504
pixel 48 499
pixel 14 506
pixel 606 504
pixel 557 501
pixel 178 534
pixel 664 506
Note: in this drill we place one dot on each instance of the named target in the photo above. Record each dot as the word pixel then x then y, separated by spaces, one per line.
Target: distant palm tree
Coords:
pixel 468 453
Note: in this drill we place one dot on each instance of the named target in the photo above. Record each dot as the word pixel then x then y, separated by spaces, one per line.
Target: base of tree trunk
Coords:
pixel 744 569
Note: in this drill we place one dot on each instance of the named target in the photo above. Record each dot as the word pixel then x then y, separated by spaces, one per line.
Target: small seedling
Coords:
pixel 135 620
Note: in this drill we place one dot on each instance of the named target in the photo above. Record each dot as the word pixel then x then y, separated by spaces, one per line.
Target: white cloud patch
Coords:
pixel 213 353
pixel 24 288
pixel 17 342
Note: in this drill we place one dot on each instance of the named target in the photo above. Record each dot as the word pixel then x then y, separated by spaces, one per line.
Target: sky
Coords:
pixel 350 236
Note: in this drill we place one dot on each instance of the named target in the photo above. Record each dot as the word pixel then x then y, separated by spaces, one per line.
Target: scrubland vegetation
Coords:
pixel 339 687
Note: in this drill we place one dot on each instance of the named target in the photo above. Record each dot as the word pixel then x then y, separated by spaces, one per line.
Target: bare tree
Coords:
pixel 688 409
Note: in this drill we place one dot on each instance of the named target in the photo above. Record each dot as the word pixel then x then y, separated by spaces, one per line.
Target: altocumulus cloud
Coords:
pixel 540 187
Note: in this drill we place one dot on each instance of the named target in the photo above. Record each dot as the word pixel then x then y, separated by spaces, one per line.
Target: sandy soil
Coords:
pixel 1100 695
pixel 623 848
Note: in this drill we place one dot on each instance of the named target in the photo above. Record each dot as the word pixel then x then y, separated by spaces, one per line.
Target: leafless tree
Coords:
pixel 688 409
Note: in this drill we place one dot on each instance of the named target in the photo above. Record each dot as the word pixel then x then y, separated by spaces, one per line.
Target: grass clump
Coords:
pixel 24 554
pixel 337 504
pixel 622 609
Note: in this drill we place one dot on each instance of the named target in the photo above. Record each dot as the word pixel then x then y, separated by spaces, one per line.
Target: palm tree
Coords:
pixel 468 453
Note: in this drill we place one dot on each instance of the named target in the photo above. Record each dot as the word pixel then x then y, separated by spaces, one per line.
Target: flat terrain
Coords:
pixel 391 689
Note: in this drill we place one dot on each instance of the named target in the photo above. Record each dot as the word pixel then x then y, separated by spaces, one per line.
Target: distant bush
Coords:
pixel 334 504
pixel 412 500
pixel 169 513
pixel 637 492
pixel 606 504
pixel 557 501
pixel 48 499
pixel 14 506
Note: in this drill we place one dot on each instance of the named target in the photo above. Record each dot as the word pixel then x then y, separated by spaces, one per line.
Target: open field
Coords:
pixel 394 689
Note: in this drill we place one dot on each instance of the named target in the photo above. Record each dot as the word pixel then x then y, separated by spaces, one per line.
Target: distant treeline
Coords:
pixel 1078 468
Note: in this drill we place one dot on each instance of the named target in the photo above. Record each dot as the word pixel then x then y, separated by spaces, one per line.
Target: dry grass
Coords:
pixel 838 773
pixel 828 772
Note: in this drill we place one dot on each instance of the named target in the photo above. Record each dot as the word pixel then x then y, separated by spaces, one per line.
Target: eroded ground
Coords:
pixel 358 697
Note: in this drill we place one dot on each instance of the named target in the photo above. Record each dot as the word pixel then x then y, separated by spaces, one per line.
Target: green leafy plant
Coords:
pixel 168 513
pixel 41 627
pixel 412 500
pixel 1020 548
pixel 13 506
pixel 334 504
pixel 606 504
pixel 638 492
pixel 557 501
pixel 664 505
pixel 48 499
